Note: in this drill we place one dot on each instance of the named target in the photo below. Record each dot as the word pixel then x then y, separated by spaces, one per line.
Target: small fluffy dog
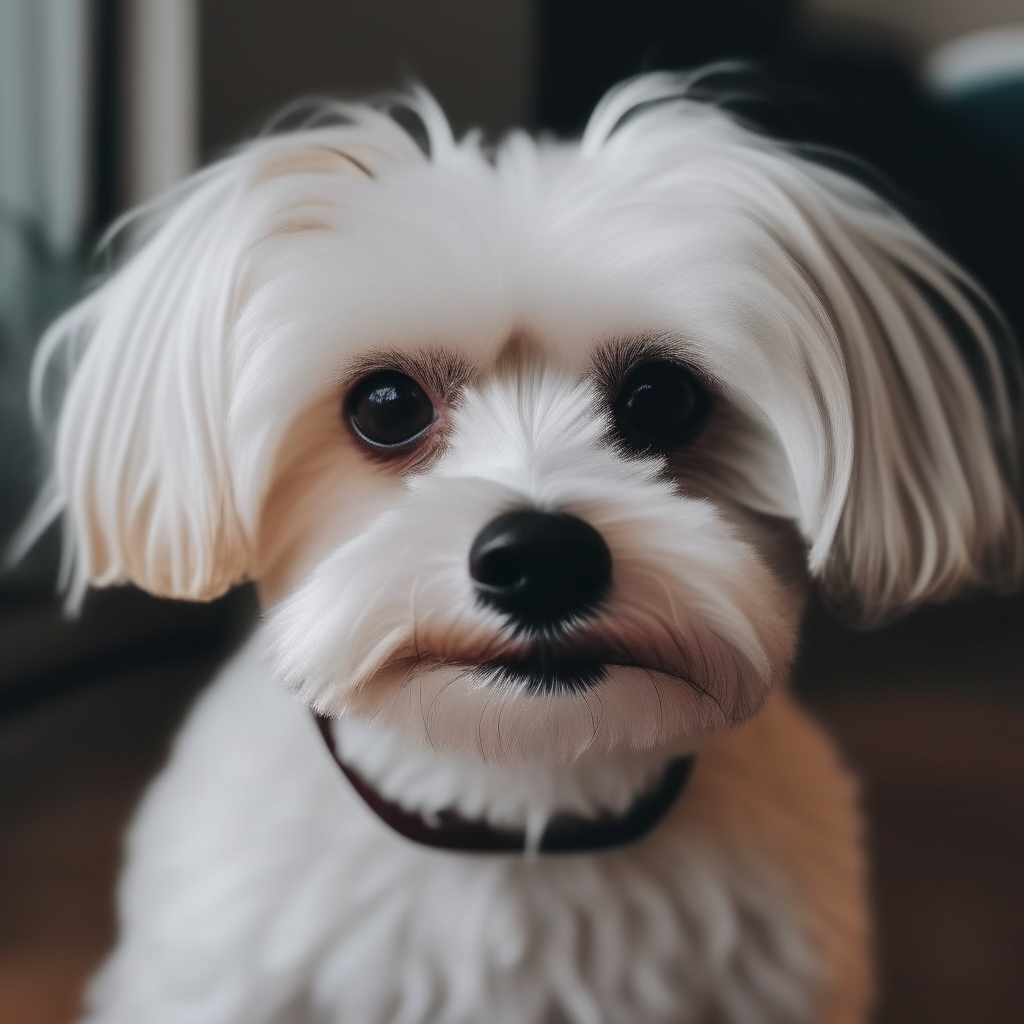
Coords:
pixel 535 454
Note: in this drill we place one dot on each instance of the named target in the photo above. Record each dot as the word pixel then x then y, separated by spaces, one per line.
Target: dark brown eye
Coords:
pixel 389 409
pixel 661 405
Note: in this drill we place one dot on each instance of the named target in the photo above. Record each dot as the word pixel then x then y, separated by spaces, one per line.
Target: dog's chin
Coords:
pixel 414 773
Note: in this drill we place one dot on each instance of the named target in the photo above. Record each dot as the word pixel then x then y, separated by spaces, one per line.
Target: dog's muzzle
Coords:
pixel 564 833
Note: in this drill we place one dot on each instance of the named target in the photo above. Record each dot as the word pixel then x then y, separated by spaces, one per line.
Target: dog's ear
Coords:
pixel 924 498
pixel 141 464
pixel 877 365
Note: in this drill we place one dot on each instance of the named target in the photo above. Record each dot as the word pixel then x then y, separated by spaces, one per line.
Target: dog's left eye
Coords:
pixel 389 409
pixel 661 405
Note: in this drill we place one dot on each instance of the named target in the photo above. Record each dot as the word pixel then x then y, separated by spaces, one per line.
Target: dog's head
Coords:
pixel 536 451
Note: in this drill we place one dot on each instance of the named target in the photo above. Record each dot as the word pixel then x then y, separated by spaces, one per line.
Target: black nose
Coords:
pixel 541 568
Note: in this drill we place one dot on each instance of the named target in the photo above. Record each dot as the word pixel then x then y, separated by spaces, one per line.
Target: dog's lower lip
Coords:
pixel 544 674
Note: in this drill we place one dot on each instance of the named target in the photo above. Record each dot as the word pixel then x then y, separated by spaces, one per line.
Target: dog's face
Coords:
pixel 537 454
pixel 548 556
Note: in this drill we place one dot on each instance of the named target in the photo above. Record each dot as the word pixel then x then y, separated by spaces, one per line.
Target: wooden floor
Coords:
pixel 70 772
pixel 930 715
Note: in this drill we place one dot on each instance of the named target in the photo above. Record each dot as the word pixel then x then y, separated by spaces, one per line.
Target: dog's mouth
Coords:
pixel 563 834
pixel 543 672
pixel 546 666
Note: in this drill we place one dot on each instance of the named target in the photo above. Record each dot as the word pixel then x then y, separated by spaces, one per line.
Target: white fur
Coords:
pixel 199 443
pixel 523 795
pixel 297 904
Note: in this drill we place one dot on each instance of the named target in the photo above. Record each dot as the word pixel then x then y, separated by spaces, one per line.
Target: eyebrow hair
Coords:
pixel 439 369
pixel 613 361
pixel 615 358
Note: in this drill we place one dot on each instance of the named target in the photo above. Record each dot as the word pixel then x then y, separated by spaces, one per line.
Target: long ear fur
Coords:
pixel 898 380
pixel 141 471
pixel 932 502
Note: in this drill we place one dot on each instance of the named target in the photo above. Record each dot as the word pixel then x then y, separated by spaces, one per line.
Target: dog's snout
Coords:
pixel 541 568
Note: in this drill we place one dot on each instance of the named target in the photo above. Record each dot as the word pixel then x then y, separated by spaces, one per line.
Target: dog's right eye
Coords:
pixel 661 406
pixel 389 409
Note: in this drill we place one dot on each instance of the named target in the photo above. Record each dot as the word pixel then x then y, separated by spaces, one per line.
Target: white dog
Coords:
pixel 534 454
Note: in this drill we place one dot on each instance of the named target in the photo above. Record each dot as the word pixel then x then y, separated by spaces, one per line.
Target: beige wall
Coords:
pixel 256 55
pixel 923 24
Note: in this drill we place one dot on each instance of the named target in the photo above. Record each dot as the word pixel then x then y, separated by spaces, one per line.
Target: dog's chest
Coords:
pixel 658 933
pixel 309 908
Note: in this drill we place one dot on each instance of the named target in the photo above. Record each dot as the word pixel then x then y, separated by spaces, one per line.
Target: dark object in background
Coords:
pixel 585 46
pixel 995 110
pixel 108 104
pixel 951 177
pixel 47 655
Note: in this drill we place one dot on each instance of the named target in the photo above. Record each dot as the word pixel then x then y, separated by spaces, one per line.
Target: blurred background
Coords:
pixel 104 103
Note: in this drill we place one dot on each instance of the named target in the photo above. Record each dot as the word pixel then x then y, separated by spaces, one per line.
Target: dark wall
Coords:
pixel 587 45
pixel 257 55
